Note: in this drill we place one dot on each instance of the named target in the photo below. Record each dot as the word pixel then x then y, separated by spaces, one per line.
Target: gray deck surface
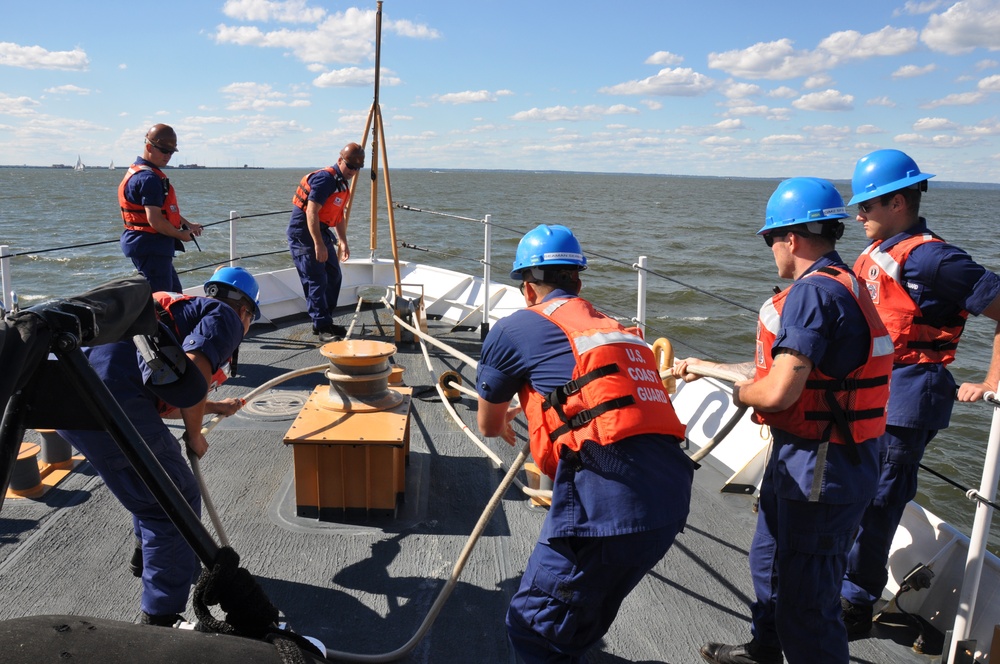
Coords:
pixel 366 587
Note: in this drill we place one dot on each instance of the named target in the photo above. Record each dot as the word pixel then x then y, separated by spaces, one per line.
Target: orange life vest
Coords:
pixel 846 410
pixel 134 214
pixel 163 301
pixel 332 211
pixel 918 339
pixel 615 391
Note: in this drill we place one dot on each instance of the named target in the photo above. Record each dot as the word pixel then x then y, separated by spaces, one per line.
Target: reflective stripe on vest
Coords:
pixel 848 410
pixel 615 391
pixel 918 339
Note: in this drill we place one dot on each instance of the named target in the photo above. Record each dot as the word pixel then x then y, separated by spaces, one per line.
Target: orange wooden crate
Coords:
pixel 349 466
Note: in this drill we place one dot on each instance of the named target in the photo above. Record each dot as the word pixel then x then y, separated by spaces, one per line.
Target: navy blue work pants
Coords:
pixel 572 589
pixel 900 452
pixel 159 272
pixel 320 282
pixel 170 566
pixel 797 561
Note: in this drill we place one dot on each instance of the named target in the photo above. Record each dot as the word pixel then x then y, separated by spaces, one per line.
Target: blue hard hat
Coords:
pixel 235 278
pixel 803 200
pixel 548 246
pixel 882 172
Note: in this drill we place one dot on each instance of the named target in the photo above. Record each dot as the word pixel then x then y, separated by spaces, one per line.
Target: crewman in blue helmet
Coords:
pixel 924 289
pixel 603 428
pixel 197 340
pixel 820 380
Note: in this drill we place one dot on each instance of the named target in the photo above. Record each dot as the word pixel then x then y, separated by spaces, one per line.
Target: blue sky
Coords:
pixel 772 89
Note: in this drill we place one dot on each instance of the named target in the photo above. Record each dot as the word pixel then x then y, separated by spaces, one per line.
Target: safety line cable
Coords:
pixel 971 494
pixel 94 244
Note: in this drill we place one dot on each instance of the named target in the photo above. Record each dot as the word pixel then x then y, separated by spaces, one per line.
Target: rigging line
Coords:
pixel 516 232
pixel 227 260
pixel 676 281
pixel 68 246
pixel 702 291
pixel 94 244
pixel 245 216
pixel 971 494
pixel 406 245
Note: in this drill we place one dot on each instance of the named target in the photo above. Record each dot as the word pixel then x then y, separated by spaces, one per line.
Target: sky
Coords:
pixel 736 89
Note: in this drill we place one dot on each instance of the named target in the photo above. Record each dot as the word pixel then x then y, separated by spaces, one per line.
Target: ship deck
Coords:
pixel 365 586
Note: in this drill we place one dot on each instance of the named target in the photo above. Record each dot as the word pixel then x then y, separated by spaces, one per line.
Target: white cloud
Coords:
pixel 286 11
pixel 472 96
pixel 740 90
pixel 867 129
pixel 64 89
pixel 724 142
pixel 986 64
pixel 779 60
pixel 258 96
pixel 989 127
pixel 881 101
pixel 679 82
pixel 934 124
pixel 990 84
pixel 782 139
pixel 571 114
pixel 966 25
pixel 36 57
pixel 828 100
pixel 938 141
pixel 17 106
pixel 912 71
pixel 342 37
pixel 912 8
pixel 664 58
pixel 354 77
pixel 957 99
pixel 817 81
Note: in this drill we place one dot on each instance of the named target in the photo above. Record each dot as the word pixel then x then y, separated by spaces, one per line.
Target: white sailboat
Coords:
pixel 79 164
pixel 112 166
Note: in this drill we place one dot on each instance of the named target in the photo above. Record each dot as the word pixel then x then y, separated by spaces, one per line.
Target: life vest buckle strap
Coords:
pixel 585 417
pixel 846 384
pixel 558 396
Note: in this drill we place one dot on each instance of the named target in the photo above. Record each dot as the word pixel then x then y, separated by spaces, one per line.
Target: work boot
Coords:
pixel 748 653
pixel 135 562
pixel 857 618
pixel 160 620
pixel 330 332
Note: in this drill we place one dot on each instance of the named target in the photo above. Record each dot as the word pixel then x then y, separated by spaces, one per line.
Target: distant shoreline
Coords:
pixel 945 184
pixel 67 167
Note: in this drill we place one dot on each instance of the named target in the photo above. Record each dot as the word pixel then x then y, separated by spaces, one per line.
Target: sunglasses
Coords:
pixel 354 167
pixel 162 150
pixel 771 237
pixel 866 207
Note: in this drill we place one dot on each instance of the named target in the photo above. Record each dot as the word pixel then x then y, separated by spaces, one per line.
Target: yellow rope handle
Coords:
pixel 663 351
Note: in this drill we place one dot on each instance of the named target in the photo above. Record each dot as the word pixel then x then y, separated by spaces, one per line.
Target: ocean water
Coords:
pixel 709 273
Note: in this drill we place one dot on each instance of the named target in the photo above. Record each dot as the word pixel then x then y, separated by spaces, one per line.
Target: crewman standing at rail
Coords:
pixel 319 204
pixel 154 225
pixel 601 425
pixel 820 380
pixel 924 290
